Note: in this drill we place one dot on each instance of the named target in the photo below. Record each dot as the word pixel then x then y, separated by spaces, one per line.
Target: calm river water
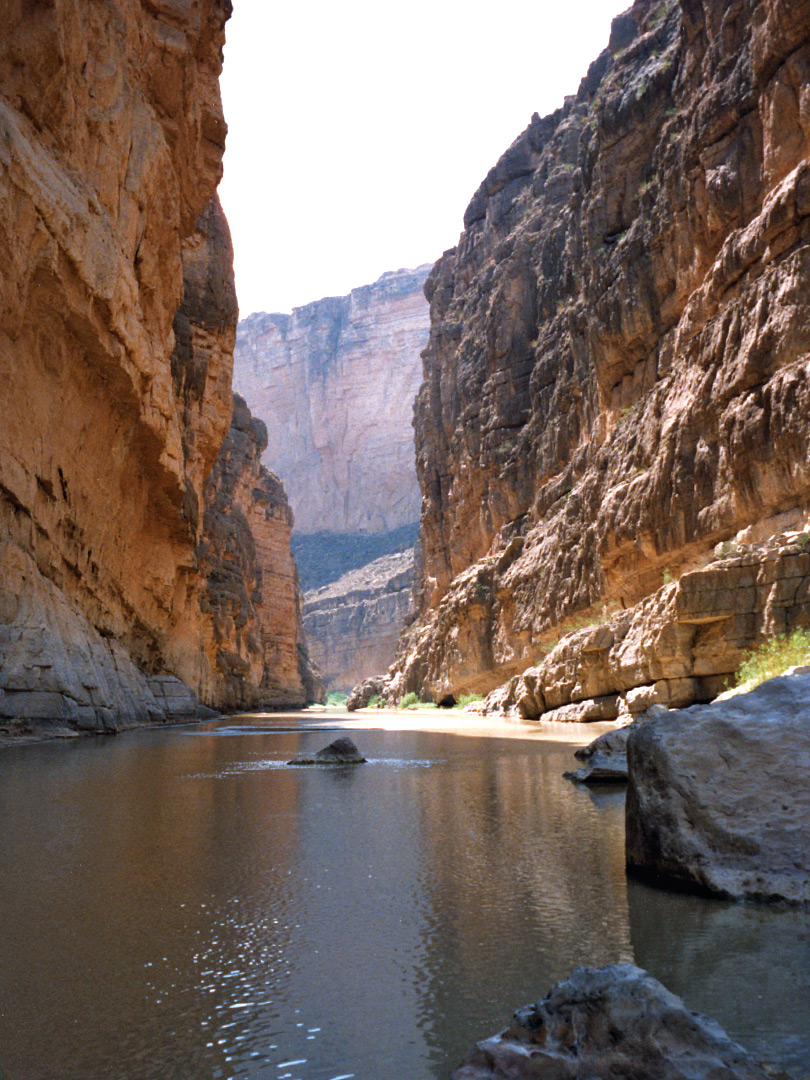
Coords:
pixel 178 905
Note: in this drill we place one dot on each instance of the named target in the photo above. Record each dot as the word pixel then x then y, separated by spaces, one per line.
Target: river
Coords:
pixel 178 904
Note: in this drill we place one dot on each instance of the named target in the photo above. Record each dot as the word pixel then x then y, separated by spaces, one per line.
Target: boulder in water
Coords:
pixel 340 752
pixel 718 799
pixel 609 1022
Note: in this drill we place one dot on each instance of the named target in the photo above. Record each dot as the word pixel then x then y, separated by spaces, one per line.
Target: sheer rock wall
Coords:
pixel 335 383
pixel 116 335
pixel 352 625
pixel 617 371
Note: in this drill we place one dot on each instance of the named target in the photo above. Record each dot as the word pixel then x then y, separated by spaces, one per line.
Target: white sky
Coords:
pixel 360 129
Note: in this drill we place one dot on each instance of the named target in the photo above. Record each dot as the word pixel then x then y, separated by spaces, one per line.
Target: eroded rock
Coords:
pixel 605 1023
pixel 116 350
pixel 679 646
pixel 617 374
pixel 352 626
pixel 363 693
pixel 717 800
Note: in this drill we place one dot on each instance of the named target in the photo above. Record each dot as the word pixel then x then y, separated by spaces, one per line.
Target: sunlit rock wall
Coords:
pixel 335 383
pixel 617 372
pixel 111 140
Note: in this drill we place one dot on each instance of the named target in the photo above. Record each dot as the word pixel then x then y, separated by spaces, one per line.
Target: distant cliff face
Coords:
pixel 335 383
pixel 116 337
pixel 352 625
pixel 618 373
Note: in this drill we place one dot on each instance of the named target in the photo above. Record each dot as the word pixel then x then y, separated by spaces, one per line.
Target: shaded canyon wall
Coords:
pixel 617 372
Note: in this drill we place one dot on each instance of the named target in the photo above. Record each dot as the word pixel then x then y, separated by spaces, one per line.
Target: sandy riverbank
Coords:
pixel 458 722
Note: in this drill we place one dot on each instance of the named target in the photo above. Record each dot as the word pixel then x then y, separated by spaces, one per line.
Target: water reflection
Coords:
pixel 178 905
pixel 745 965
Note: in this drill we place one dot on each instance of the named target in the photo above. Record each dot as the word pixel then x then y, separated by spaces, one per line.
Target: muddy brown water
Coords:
pixel 179 904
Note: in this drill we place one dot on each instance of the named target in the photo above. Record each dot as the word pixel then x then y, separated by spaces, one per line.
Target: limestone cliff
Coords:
pixel 254 642
pixel 617 371
pixel 116 336
pixel 352 625
pixel 335 383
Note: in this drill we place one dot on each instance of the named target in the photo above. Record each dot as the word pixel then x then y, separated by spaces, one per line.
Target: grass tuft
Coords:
pixel 773 657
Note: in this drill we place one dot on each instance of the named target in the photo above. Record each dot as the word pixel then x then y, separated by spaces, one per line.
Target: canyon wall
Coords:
pixel 335 383
pixel 617 372
pixel 116 336
pixel 353 624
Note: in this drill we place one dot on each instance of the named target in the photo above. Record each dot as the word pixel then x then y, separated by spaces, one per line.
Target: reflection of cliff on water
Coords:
pixel 127 880
pixel 524 874
pixel 745 965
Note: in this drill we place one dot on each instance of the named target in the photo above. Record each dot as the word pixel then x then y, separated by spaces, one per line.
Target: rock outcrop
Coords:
pixel 716 800
pixel 618 371
pixel 605 758
pixel 364 693
pixel 352 625
pixel 116 336
pixel 681 645
pixel 335 383
pixel 255 644
pixel 609 1022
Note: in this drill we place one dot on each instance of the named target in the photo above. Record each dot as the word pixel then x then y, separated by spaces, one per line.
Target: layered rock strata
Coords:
pixel 618 371
pixel 352 625
pixel 335 383
pixel 681 645
pixel 608 1022
pixel 716 800
pixel 254 640
pixel 116 335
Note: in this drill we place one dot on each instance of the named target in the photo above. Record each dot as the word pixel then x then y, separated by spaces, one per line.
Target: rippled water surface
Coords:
pixel 180 905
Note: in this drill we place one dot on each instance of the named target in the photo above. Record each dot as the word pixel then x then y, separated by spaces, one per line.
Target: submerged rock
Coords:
pixel 717 798
pixel 340 752
pixel 606 757
pixel 609 1022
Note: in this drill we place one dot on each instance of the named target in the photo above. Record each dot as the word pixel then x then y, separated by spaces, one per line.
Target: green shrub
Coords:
pixel 410 701
pixel 337 697
pixel 466 699
pixel 374 701
pixel 773 657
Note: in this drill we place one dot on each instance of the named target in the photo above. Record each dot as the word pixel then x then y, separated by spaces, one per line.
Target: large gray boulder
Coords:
pixel 606 1023
pixel 718 798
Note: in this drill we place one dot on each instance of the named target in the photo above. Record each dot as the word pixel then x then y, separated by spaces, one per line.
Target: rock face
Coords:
pixel 609 1022
pixel 352 625
pixel 335 383
pixel 363 693
pixel 116 335
pixel 255 646
pixel 681 645
pixel 716 799
pixel 617 376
